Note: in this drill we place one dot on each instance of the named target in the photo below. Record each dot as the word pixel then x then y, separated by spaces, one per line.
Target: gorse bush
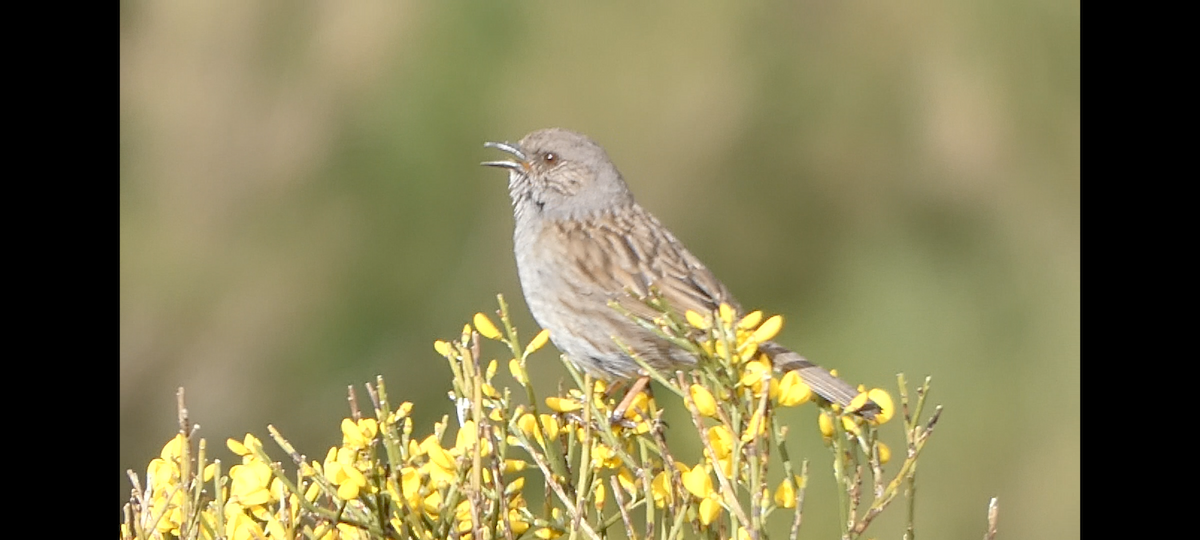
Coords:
pixel 594 469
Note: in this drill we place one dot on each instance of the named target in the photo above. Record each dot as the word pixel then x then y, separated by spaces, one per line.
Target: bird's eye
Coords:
pixel 550 158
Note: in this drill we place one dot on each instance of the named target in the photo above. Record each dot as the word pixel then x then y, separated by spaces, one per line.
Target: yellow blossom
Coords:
pixel 705 404
pixel 433 503
pixel 514 465
pixel 881 398
pixel 721 440
pixel 518 372
pixel 697 481
pixel 850 424
pixel 359 434
pixel 625 478
pixel 697 320
pixel 437 455
pixel 245 448
pixel 751 320
pixel 792 390
pixel 768 329
pixel 528 425
pixel 537 342
pixel 785 494
pixel 755 428
pixel 517 521
pixel 753 375
pixel 747 350
pixel 249 482
pixel 242 527
pixel 639 405
pixel 727 313
pixel 825 424
pixel 563 405
pixel 485 327
pixel 885 454
pixel 599 495
pixel 550 426
pixel 468 437
pixel 710 510
pixel 173 450
pixel 660 489
pixel 603 456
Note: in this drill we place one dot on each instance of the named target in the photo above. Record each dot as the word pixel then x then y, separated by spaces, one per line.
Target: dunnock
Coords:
pixel 581 241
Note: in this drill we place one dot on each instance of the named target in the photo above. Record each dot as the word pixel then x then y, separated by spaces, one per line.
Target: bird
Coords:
pixel 581 241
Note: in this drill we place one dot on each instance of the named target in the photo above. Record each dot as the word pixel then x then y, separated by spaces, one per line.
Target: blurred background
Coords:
pixel 302 208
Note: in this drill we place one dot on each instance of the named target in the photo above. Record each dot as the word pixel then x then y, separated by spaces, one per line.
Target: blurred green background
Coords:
pixel 302 208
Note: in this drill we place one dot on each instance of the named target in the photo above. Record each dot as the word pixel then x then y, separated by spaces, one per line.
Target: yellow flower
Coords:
pixel 660 489
pixel 433 503
pixel 517 520
pixel 705 404
pixel 885 453
pixel 697 481
pixel 468 439
pixel 697 320
pixel 727 313
pixel 242 527
pixel 850 424
pixel 563 405
pixel 245 448
pixel 528 425
pixel 550 426
pixel 518 372
pixel 755 428
pixel 537 342
pixel 604 457
pixel 750 320
pixel 359 434
pixel 173 450
pixel 625 478
pixel 710 510
pixel 599 496
pixel 485 327
pixel 747 350
pixel 785 494
pixel 249 483
pixel 514 465
pixel 825 424
pixel 639 405
pixel 442 347
pixel 768 329
pixel 721 440
pixel 437 455
pixel 886 407
pixel 792 390
pixel 753 374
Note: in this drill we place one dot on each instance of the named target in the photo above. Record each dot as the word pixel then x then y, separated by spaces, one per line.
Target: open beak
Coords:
pixel 519 166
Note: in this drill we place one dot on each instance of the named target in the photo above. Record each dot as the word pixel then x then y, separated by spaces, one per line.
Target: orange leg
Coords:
pixel 638 385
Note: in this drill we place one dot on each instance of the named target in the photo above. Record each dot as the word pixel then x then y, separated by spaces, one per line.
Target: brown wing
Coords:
pixel 633 252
